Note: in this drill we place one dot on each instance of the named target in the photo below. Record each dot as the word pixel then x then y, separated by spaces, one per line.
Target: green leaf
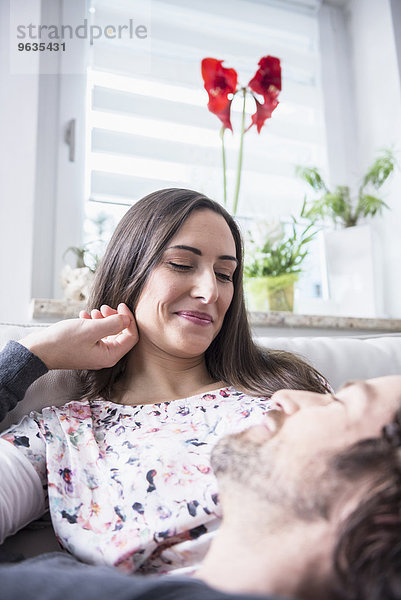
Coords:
pixel 312 177
pixel 380 170
pixel 339 205
pixel 282 256
pixel 371 205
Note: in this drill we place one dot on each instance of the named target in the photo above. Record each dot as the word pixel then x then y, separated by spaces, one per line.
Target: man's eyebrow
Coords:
pixel 346 384
pixel 366 387
pixel 199 253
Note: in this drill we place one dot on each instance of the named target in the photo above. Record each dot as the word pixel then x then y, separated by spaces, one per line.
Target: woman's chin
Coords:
pixel 193 352
pixel 176 344
pixel 190 347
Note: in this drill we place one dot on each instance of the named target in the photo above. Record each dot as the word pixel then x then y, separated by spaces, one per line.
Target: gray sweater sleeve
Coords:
pixel 18 369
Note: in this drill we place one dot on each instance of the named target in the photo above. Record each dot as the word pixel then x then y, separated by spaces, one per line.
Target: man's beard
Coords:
pixel 304 493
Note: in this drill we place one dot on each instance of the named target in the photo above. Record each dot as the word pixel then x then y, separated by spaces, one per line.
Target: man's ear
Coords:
pixel 350 498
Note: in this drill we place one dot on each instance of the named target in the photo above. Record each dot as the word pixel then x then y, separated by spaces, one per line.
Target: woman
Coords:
pixel 127 468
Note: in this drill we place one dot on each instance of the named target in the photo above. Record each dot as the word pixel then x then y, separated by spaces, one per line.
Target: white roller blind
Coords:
pixel 148 123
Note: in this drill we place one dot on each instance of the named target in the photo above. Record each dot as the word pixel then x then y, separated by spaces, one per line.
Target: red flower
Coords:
pixel 263 112
pixel 219 83
pixel 267 83
pixel 267 79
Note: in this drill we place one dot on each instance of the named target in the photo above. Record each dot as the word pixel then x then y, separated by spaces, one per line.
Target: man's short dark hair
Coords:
pixel 367 557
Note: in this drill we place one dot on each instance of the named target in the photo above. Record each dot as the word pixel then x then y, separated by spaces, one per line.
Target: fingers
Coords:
pixel 124 310
pixel 111 325
pixel 94 314
pixel 107 311
pixel 92 342
pixel 122 323
pixel 113 331
pixel 119 335
pixel 122 343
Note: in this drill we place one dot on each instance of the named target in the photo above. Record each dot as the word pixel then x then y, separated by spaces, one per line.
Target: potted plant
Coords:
pixel 273 261
pixel 339 205
pixel 351 249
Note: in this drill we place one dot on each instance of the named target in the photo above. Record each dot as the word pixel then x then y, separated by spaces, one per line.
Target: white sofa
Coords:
pixel 339 359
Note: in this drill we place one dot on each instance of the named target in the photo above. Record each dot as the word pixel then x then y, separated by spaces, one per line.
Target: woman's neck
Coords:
pixel 152 376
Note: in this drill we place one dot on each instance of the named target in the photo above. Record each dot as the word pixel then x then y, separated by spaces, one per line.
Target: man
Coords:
pixel 312 497
pixel 311 500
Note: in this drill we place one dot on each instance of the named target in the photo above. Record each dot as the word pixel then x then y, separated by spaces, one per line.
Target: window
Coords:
pixel 148 123
pixel 146 119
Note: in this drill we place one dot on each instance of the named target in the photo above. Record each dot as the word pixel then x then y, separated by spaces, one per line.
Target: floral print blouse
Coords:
pixel 132 486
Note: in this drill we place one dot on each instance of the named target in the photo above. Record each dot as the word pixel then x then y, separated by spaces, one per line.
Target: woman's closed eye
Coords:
pixel 224 276
pixel 180 267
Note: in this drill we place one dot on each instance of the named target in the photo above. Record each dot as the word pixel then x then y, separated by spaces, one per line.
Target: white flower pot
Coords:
pixel 353 272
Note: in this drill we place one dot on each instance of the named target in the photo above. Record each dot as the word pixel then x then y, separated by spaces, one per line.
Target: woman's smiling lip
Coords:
pixel 196 317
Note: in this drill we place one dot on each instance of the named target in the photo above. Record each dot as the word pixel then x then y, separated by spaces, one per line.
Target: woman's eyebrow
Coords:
pixel 199 253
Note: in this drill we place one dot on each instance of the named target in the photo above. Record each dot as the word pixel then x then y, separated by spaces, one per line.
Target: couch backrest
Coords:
pixel 342 359
pixel 339 359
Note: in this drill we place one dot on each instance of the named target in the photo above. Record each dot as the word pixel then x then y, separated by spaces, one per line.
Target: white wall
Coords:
pixel 361 53
pixel 339 109
pixel 31 190
pixel 377 87
pixel 18 127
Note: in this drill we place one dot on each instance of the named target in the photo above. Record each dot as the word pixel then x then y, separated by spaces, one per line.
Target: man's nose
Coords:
pixel 290 401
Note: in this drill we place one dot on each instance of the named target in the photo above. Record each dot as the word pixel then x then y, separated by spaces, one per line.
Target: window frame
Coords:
pixel 61 186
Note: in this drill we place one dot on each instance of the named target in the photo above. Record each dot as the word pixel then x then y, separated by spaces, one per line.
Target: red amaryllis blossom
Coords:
pixel 263 112
pixel 219 83
pixel 267 83
pixel 267 79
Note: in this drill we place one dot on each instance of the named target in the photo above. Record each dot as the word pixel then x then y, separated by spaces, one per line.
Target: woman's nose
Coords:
pixel 205 287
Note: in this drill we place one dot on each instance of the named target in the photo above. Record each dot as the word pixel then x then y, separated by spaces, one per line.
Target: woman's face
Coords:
pixel 184 301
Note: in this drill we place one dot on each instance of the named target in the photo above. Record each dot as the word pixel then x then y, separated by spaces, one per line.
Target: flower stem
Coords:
pixel 240 155
pixel 222 130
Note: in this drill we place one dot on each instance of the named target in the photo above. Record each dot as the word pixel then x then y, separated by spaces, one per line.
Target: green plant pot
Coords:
pixel 270 293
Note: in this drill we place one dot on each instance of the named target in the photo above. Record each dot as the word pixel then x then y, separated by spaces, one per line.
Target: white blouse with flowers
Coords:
pixel 132 486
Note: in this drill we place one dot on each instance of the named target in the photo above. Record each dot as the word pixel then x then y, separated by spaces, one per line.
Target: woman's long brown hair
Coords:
pixel 136 247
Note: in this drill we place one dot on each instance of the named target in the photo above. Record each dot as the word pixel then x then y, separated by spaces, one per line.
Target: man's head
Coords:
pixel 327 459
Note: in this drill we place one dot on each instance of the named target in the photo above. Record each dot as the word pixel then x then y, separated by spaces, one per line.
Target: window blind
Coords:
pixel 148 122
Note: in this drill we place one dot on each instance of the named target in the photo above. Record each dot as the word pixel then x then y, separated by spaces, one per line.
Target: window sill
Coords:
pixel 53 309
pixel 273 323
